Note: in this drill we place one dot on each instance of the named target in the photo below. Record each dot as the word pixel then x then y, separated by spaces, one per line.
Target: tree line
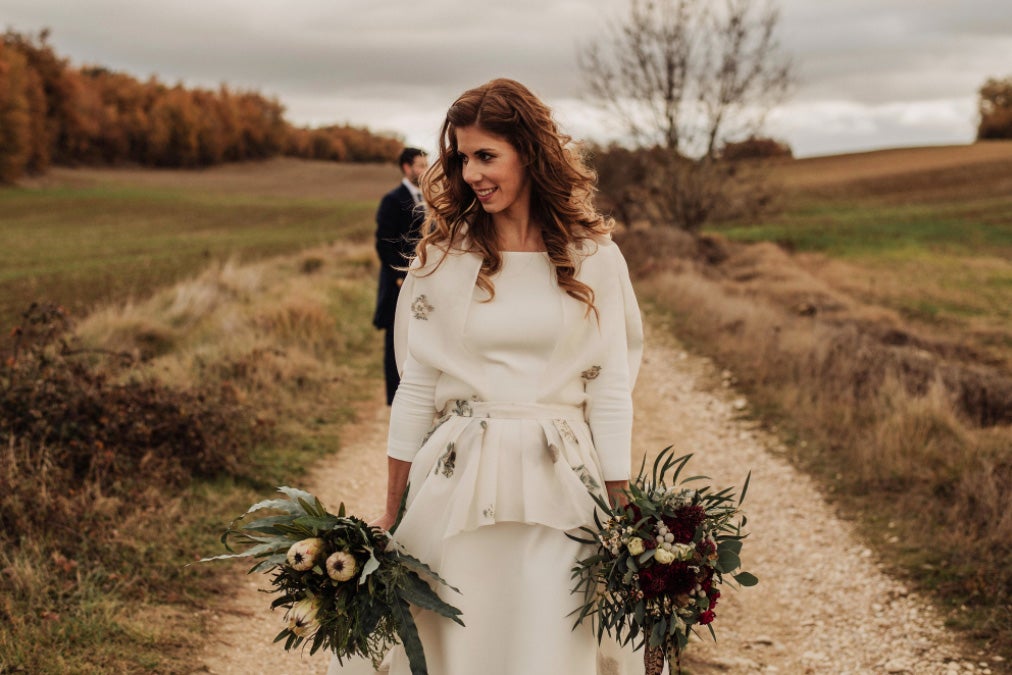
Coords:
pixel 53 113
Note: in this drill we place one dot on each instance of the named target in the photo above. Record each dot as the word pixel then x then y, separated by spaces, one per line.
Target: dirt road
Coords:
pixel 823 604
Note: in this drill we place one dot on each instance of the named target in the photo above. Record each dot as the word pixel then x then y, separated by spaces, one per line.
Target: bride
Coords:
pixel 519 338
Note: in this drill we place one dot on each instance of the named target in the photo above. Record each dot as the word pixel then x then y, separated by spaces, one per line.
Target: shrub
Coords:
pixel 84 424
pixel 995 107
pixel 756 147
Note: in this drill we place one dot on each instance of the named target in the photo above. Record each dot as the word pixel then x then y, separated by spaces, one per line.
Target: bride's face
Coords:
pixel 493 168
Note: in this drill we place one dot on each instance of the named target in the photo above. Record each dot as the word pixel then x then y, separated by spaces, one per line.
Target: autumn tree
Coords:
pixel 51 111
pixel 15 124
pixel 685 77
pixel 995 106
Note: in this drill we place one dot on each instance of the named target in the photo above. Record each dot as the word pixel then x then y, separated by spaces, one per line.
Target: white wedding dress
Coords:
pixel 507 468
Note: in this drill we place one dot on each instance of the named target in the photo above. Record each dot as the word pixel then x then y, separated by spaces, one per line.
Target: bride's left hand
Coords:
pixel 617 496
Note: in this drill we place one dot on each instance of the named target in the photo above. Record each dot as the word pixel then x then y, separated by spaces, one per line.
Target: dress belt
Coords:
pixel 514 411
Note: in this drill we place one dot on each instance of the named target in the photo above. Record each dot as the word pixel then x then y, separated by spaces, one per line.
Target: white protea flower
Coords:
pixel 303 554
pixel 664 557
pixel 302 616
pixel 635 545
pixel 341 566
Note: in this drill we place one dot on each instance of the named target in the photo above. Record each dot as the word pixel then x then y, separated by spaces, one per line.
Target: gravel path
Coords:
pixel 823 604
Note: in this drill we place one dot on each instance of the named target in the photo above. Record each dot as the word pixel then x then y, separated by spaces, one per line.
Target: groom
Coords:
pixel 398 221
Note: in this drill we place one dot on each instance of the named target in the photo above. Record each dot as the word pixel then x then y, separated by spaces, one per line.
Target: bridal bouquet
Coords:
pixel 659 561
pixel 343 586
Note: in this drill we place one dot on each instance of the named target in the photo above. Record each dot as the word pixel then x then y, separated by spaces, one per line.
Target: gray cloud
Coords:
pixel 397 65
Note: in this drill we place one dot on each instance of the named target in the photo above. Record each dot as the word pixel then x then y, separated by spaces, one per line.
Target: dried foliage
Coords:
pixel 649 185
pixel 756 147
pixel 72 424
pixel 53 112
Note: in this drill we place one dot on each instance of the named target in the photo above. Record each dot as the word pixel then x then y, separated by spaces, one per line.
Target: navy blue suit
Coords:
pixel 398 221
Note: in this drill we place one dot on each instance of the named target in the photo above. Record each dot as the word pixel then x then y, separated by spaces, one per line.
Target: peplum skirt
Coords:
pixel 492 493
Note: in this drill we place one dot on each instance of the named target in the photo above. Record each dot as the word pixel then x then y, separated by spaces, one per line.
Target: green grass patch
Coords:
pixel 869 229
pixel 83 246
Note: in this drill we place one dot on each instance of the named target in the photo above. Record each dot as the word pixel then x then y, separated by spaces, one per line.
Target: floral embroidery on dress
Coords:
pixel 553 452
pixel 447 462
pixel 462 408
pixel 566 431
pixel 438 423
pixel 591 373
pixel 420 307
pixel 489 512
pixel 586 478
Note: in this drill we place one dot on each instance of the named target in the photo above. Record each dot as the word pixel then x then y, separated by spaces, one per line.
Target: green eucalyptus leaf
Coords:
pixel 732 545
pixel 728 561
pixel 657 632
pixel 746 579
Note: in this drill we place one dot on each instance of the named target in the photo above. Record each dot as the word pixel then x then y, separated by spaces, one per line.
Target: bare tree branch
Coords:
pixel 688 76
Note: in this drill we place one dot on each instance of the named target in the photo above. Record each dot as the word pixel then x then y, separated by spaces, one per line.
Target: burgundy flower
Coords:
pixel 684 523
pixel 713 595
pixel 652 581
pixel 673 579
pixel 707 617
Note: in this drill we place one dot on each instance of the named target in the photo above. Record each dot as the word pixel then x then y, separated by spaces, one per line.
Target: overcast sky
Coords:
pixel 872 73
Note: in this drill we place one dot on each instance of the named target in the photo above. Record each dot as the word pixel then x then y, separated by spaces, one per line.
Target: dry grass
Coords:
pixel 907 429
pixel 291 339
pixel 271 326
pixel 882 165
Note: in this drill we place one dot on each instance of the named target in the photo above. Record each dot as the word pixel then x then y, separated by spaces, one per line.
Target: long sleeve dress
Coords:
pixel 511 412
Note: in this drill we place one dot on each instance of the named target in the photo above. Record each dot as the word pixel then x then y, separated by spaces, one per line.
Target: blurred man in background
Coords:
pixel 398 220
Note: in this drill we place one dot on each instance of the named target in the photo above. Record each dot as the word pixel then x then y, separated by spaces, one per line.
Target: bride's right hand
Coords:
pixel 384 522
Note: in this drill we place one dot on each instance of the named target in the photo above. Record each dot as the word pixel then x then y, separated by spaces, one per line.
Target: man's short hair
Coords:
pixel 408 156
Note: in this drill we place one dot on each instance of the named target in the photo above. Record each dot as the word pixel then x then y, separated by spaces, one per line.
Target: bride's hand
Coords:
pixel 384 522
pixel 617 496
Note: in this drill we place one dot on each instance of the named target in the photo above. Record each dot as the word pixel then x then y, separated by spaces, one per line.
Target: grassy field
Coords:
pixel 279 348
pixel 82 237
pixel 926 232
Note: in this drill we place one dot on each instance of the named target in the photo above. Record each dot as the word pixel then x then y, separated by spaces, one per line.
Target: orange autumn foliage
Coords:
pixel 54 112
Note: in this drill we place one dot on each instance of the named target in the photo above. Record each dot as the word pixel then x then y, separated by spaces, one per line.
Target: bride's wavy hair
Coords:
pixel 562 186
